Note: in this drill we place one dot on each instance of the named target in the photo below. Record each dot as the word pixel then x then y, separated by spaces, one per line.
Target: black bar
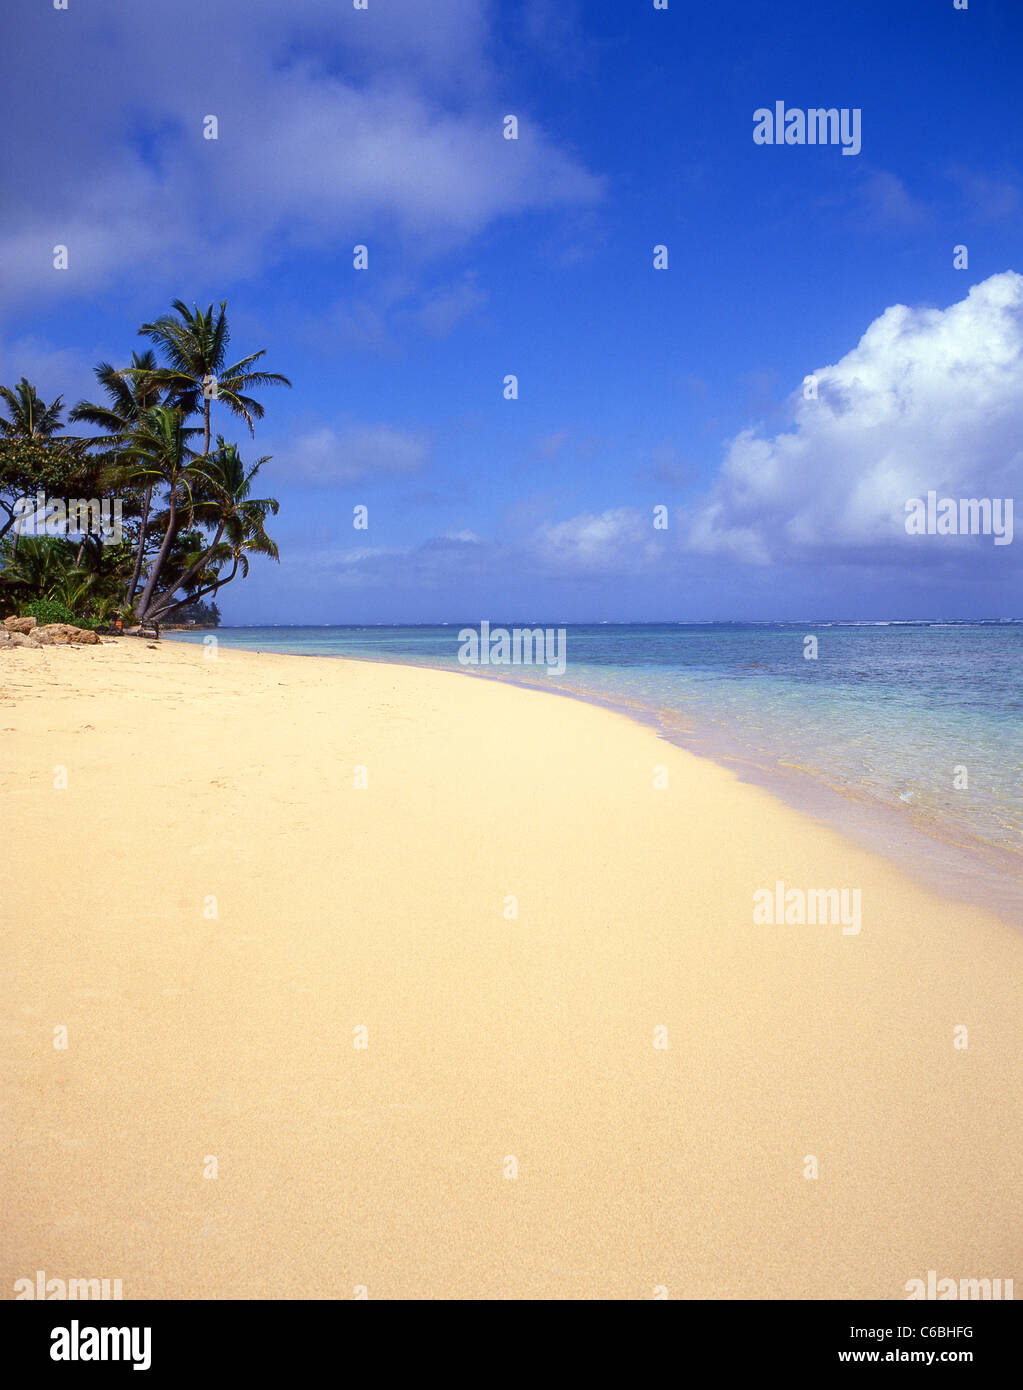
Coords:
pixel 193 1343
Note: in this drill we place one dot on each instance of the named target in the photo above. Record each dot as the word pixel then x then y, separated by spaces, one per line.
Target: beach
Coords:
pixel 392 982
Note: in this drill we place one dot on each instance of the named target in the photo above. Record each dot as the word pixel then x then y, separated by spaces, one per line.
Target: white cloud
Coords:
pixel 437 561
pixel 887 202
pixel 334 125
pixel 552 444
pixel 442 310
pixel 619 540
pixel 928 399
pixel 353 452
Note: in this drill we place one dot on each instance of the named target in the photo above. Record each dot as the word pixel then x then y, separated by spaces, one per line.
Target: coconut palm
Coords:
pixel 28 417
pixel 194 342
pixel 197 510
pixel 133 392
pixel 39 568
pixel 223 501
pixel 160 444
pixel 211 580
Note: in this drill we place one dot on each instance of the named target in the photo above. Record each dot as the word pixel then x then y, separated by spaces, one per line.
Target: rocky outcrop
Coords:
pixel 63 634
pixel 25 632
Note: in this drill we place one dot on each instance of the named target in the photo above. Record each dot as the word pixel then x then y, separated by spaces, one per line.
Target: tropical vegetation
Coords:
pixel 190 519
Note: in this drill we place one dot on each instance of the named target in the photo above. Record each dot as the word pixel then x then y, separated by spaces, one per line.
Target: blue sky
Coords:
pixel 638 388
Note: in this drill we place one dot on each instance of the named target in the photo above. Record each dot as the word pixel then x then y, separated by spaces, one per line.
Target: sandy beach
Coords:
pixel 514 1126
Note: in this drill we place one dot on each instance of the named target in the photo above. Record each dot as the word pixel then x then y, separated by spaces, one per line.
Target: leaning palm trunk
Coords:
pixel 136 573
pixel 211 588
pixel 161 559
pixel 167 601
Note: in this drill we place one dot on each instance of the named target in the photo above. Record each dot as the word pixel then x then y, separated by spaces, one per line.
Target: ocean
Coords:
pixel 908 735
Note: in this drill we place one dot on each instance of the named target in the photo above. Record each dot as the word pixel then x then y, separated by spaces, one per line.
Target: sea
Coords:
pixel 907 736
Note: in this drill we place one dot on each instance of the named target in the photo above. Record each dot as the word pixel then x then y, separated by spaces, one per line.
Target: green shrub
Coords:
pixel 46 610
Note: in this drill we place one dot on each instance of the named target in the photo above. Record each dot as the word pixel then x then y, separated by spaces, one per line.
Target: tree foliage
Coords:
pixel 189 520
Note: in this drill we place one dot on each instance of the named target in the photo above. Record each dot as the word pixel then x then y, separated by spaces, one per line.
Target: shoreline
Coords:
pixel 974 872
pixel 969 871
pixel 619 1087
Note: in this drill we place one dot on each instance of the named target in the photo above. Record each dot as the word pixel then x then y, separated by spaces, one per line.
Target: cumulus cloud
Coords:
pixel 621 539
pixel 929 399
pixel 333 125
pixel 354 452
pixel 436 562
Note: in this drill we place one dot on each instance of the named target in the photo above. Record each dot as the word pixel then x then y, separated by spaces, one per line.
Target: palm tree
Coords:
pixel 195 344
pixel 133 392
pixel 160 444
pixel 245 541
pixel 29 417
pixel 87 584
pixel 41 566
pixel 226 505
pixel 105 568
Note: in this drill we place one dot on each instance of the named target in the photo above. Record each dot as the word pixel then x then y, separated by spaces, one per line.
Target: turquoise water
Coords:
pixel 884 716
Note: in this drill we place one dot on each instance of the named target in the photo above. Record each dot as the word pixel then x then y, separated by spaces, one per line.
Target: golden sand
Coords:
pixel 495 1044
